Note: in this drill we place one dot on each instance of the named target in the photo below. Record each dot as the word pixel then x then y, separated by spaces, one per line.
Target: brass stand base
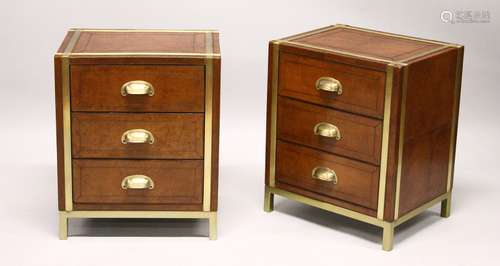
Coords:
pixel 65 216
pixel 387 227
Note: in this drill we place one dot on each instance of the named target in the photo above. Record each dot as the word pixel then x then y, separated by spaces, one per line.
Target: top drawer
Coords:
pixel 362 89
pixel 169 88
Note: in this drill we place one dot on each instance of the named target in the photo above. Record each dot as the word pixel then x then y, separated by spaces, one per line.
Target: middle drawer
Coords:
pixel 139 136
pixel 333 131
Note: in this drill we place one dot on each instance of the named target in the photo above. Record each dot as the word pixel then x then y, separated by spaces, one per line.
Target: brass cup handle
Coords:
pixel 327 130
pixel 324 174
pixel 137 136
pixel 137 182
pixel 137 87
pixel 329 84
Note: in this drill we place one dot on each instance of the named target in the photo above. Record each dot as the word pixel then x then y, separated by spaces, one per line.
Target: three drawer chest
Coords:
pixel 137 124
pixel 362 123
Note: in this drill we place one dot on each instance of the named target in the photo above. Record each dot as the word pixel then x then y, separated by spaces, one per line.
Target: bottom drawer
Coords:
pixel 138 181
pixel 328 175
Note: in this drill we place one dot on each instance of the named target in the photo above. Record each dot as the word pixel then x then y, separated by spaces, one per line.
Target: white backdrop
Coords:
pixel 294 234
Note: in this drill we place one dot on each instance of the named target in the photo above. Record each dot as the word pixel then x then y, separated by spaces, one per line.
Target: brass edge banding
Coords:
pixel 328 207
pixel 308 33
pixel 400 36
pixel 454 125
pixel 145 30
pixel 406 60
pixel 274 114
pixel 143 54
pixel 342 52
pixel 385 141
pixel 402 125
pixel 66 101
pixel 140 214
pixel 207 158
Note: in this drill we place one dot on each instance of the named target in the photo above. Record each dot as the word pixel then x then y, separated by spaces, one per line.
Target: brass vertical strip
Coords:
pixel 207 158
pixel 402 125
pixel 454 122
pixel 274 113
pixel 66 100
pixel 385 141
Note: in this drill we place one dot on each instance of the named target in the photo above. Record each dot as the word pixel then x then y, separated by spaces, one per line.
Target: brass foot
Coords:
pixel 388 237
pixel 63 226
pixel 212 225
pixel 446 207
pixel 268 200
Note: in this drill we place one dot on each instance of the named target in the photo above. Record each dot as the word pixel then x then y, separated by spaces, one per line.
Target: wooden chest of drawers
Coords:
pixel 138 124
pixel 362 123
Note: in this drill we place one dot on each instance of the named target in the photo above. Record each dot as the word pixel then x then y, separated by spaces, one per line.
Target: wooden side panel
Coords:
pixel 429 108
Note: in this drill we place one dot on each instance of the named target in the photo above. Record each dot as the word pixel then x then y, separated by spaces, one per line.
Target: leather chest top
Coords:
pixel 337 99
pixel 137 114
pixel 150 43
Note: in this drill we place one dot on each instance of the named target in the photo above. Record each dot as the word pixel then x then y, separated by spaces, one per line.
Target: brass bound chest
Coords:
pixel 137 124
pixel 362 123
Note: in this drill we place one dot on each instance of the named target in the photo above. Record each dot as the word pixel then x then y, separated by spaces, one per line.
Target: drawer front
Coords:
pixel 98 88
pixel 355 182
pixel 353 136
pixel 148 182
pixel 173 136
pixel 362 89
